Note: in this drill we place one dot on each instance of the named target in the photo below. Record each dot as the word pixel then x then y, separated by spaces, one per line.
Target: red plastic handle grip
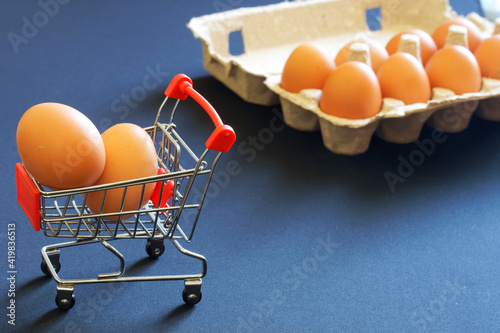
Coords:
pixel 223 137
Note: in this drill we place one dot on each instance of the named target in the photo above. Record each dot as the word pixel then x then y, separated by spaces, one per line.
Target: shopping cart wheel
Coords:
pixel 45 268
pixel 192 291
pixel 192 298
pixel 64 303
pixel 65 299
pixel 155 248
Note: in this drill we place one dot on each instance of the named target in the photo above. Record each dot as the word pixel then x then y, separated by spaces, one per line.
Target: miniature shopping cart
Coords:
pixel 171 213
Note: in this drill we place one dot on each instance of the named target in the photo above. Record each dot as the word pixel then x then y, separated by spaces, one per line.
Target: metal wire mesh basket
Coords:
pixel 171 213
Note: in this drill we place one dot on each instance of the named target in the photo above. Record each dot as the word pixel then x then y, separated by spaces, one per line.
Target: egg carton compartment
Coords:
pixel 270 33
pixel 396 122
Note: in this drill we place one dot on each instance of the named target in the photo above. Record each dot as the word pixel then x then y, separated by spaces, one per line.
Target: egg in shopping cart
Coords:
pixel 59 146
pixel 130 154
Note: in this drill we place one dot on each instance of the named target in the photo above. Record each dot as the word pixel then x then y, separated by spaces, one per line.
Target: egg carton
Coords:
pixel 270 33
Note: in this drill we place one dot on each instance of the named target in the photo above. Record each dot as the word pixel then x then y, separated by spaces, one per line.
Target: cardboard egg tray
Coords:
pixel 270 33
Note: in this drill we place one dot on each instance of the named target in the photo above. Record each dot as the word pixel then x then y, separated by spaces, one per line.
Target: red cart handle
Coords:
pixel 223 137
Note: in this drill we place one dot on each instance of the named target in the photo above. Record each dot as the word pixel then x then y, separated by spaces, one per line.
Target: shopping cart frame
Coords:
pixel 159 219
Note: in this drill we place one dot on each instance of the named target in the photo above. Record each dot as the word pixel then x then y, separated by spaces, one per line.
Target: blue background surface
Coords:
pixel 299 240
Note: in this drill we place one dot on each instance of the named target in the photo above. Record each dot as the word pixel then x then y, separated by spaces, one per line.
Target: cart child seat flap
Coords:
pixel 28 196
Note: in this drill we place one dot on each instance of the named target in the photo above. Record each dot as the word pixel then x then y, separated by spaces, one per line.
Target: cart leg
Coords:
pixel 122 262
pixel 53 255
pixel 65 299
pixel 192 291
pixel 192 255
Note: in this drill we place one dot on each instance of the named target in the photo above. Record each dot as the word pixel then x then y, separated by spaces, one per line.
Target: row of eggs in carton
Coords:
pixel 393 90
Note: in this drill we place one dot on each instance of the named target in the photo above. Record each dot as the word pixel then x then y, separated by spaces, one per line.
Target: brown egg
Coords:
pixel 307 67
pixel 130 154
pixel 60 146
pixel 351 91
pixel 473 33
pixel 403 77
pixel 488 57
pixel 378 54
pixel 454 67
pixel 427 45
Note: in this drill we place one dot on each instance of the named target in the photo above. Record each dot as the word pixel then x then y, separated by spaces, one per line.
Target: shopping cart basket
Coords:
pixel 171 213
